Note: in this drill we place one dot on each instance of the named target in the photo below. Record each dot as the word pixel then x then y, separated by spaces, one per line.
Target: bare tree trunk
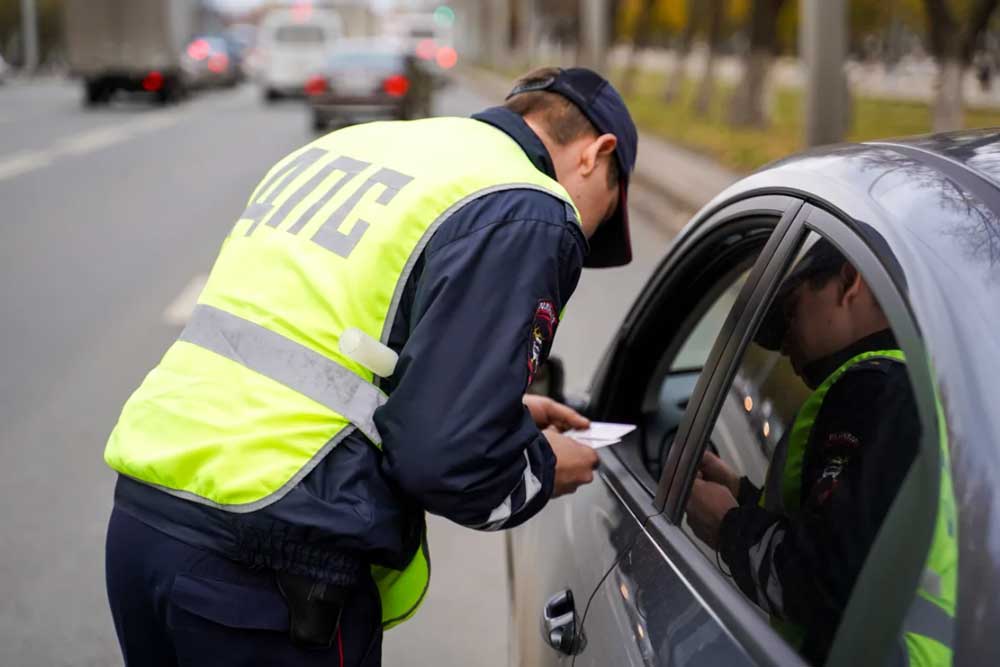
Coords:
pixel 678 72
pixel 640 40
pixel 953 51
pixel 948 112
pixel 748 102
pixel 706 88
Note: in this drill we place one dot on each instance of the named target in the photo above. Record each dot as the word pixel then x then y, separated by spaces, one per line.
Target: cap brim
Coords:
pixel 611 244
pixel 771 333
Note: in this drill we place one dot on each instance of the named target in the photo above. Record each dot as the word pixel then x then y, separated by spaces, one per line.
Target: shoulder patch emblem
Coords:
pixel 543 330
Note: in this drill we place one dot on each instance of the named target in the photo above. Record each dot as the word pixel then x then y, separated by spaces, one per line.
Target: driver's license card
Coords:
pixel 601 434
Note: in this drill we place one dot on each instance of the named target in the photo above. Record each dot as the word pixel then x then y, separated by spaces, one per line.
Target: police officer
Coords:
pixel 273 480
pixel 796 547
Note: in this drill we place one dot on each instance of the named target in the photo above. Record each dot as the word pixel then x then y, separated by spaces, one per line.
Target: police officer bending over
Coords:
pixel 273 480
pixel 796 547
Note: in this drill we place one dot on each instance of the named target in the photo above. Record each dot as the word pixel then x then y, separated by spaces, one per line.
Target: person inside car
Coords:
pixel 796 546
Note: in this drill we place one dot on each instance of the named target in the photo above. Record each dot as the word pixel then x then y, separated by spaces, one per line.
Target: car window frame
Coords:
pixel 780 206
pixel 858 639
pixel 734 613
pixel 746 312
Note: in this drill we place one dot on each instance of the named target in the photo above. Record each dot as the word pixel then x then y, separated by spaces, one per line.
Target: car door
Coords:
pixel 669 600
pixel 644 611
pixel 559 558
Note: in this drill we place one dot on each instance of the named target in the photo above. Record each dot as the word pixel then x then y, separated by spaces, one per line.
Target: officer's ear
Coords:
pixel 598 149
pixel 851 284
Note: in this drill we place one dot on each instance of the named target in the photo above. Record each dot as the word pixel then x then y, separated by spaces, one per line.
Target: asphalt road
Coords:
pixel 109 221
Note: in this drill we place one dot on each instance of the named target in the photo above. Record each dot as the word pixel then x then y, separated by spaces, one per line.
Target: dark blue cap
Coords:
pixel 820 261
pixel 605 109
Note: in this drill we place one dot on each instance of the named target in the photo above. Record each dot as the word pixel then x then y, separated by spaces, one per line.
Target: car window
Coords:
pixel 299 34
pixel 669 394
pixel 367 59
pixel 811 442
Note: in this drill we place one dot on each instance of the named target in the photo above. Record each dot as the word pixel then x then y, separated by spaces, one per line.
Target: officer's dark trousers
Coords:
pixel 174 604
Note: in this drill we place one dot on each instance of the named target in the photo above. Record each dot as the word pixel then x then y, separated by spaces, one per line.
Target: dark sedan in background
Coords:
pixel 367 80
pixel 615 576
pixel 210 61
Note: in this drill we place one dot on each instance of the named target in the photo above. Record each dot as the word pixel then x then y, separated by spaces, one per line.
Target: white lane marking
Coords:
pixel 83 143
pixel 180 309
pixel 93 140
pixel 24 161
pixel 156 122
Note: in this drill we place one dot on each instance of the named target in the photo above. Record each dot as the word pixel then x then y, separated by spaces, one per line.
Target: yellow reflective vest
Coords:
pixel 255 391
pixel 929 625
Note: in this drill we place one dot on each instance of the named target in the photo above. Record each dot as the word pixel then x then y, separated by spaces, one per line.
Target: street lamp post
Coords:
pixel 594 31
pixel 823 49
pixel 29 32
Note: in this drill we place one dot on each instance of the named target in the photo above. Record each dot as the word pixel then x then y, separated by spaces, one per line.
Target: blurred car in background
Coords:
pixel 241 38
pixel 130 45
pixel 429 36
pixel 366 80
pixel 209 60
pixel 292 44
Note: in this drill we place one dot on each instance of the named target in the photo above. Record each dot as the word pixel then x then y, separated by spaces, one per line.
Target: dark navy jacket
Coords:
pixel 457 440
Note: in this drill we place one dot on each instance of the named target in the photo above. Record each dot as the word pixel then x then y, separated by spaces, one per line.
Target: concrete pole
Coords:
pixel 527 32
pixel 499 33
pixel 823 49
pixel 594 33
pixel 29 33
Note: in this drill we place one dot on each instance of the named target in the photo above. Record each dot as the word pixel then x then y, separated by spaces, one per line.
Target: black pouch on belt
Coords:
pixel 314 607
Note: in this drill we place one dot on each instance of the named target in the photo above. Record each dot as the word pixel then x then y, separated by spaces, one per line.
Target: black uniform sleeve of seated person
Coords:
pixel 863 442
pixel 456 436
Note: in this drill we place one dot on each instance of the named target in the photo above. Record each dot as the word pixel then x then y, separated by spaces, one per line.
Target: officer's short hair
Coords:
pixel 562 119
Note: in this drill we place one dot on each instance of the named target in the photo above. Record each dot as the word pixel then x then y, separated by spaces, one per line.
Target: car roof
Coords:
pixel 933 203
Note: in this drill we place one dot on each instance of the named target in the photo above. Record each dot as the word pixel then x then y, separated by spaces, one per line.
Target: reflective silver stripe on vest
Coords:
pixel 287 362
pixel 929 620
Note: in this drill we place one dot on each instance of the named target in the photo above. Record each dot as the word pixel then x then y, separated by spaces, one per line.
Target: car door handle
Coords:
pixel 560 625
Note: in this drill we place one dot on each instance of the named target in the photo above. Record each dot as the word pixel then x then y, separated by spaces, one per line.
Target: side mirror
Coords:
pixel 550 380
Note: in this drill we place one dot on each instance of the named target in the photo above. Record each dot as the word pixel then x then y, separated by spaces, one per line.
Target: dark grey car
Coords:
pixel 613 574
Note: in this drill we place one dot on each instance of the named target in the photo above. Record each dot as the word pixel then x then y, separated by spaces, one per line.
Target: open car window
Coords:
pixel 668 394
pixel 655 364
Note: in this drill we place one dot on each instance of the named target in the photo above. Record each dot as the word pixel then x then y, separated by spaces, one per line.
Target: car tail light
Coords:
pixel 199 49
pixel 396 85
pixel 316 85
pixel 153 81
pixel 426 48
pixel 218 63
pixel 446 57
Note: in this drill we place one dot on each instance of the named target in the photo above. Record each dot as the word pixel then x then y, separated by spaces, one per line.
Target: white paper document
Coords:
pixel 601 434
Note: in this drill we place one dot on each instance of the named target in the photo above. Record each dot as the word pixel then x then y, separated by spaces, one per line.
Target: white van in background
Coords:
pixel 291 46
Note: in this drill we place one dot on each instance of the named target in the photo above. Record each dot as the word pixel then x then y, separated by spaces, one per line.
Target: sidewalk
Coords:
pixel 680 175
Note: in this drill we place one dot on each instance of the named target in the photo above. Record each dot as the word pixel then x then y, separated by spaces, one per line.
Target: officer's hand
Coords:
pixel 708 505
pixel 714 469
pixel 575 463
pixel 547 412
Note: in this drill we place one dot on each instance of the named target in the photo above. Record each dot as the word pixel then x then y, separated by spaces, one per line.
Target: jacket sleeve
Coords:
pixel 456 436
pixel 802 569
